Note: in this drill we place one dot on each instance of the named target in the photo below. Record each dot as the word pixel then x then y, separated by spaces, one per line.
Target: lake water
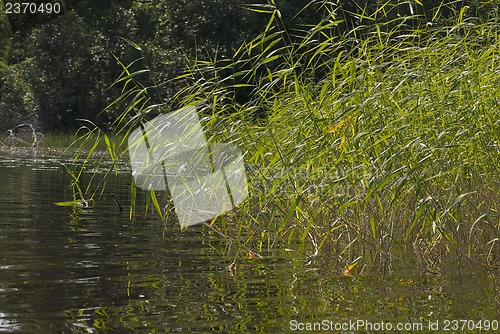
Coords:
pixel 97 271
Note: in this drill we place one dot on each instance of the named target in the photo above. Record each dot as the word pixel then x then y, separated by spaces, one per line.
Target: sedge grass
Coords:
pixel 391 153
pixel 397 148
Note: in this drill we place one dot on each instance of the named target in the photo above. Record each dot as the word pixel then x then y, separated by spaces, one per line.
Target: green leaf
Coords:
pixel 71 203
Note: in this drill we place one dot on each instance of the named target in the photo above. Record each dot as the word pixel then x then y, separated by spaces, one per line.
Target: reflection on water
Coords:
pixel 65 271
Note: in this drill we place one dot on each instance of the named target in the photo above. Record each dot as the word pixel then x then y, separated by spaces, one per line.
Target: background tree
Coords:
pixel 57 68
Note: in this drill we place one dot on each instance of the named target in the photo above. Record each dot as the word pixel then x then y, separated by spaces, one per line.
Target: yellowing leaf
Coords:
pixel 336 127
pixel 348 269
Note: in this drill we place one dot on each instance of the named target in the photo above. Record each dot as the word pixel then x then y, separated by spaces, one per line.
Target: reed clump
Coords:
pixel 374 145
pixel 380 143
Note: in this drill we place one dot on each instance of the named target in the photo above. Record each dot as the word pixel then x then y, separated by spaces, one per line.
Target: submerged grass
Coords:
pixel 380 144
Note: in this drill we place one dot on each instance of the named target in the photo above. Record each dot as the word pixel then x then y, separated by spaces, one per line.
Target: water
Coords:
pixel 96 271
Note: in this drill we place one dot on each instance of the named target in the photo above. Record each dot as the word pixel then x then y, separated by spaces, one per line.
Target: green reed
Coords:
pixel 380 143
pixel 395 147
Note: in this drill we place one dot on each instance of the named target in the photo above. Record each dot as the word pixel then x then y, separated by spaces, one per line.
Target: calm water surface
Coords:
pixel 95 271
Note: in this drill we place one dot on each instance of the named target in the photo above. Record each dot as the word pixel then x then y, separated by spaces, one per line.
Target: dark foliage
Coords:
pixel 58 68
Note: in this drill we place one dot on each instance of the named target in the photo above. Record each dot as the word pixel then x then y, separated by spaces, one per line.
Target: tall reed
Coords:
pixel 380 143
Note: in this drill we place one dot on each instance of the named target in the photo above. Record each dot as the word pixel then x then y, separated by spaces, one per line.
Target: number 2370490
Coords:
pixel 32 8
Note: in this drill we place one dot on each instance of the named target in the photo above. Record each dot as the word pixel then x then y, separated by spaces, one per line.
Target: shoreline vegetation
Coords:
pixel 374 147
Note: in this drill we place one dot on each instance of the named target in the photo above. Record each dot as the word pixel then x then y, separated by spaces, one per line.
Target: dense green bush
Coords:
pixel 71 57
pixel 18 104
